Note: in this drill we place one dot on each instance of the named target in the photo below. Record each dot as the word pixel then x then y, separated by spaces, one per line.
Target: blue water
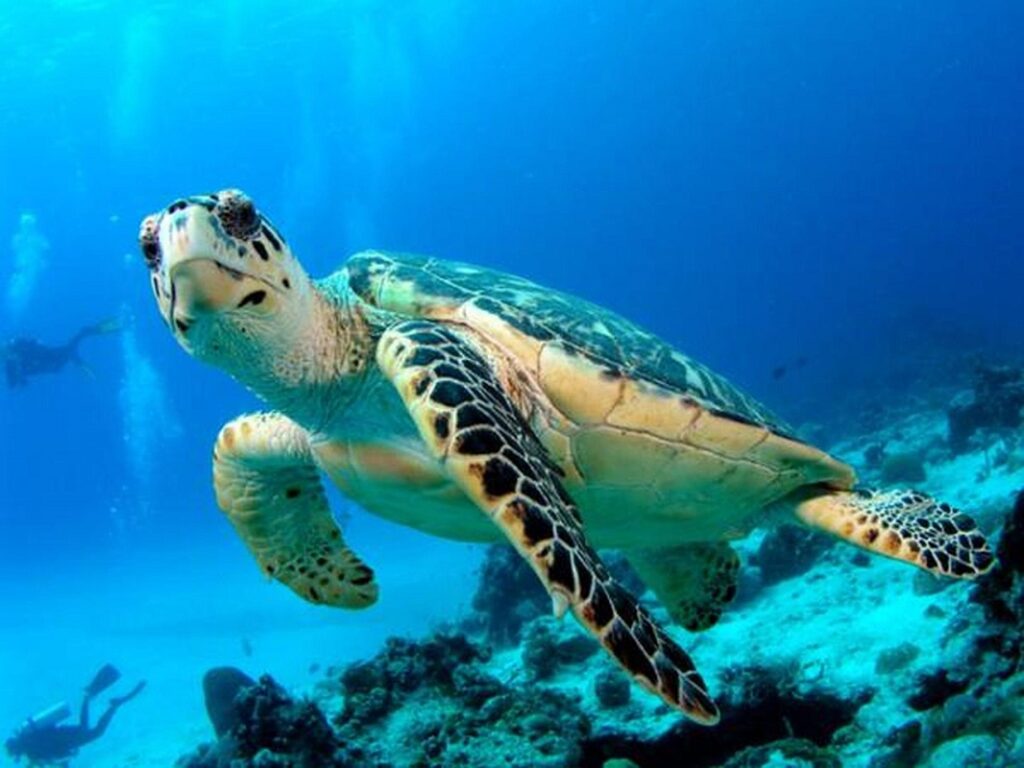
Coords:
pixel 756 182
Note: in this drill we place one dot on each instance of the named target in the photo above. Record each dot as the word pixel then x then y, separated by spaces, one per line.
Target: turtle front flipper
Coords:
pixel 905 525
pixel 269 487
pixel 470 423
pixel 693 581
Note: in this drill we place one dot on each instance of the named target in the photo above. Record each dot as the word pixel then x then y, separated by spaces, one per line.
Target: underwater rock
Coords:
pixel 977 751
pixel 1010 551
pixel 861 559
pixel 902 747
pixel 1001 591
pixel 874 454
pixel 612 688
pixel 932 689
pixel 903 468
pixel 433 703
pixel 896 658
pixel 958 711
pixel 760 706
pixel 926 583
pixel 221 686
pixel 508 595
pixel 788 551
pixel 270 728
pixel 995 403
pixel 787 753
pixel 374 688
pixel 547 645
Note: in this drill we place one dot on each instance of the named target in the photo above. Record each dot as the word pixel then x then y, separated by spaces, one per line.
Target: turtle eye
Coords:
pixel 149 242
pixel 238 215
pixel 151 253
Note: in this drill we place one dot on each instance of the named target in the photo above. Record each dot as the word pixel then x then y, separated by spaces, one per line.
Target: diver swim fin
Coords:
pixel 117 701
pixel 106 677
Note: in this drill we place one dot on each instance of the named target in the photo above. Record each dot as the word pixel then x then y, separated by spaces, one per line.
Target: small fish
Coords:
pixel 247 646
pixel 781 370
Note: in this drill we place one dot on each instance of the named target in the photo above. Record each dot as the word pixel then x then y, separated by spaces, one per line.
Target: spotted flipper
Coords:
pixel 471 424
pixel 270 490
pixel 905 525
pixel 693 581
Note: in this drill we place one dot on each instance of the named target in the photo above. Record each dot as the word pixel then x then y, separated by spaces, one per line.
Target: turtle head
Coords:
pixel 228 286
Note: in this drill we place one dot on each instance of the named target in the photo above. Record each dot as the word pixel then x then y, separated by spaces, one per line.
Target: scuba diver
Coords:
pixel 45 742
pixel 24 358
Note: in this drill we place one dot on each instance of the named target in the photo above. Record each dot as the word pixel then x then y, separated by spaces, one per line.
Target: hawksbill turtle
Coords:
pixel 478 406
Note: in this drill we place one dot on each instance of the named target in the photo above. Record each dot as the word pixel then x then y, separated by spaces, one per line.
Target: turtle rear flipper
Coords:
pixel 693 581
pixel 471 424
pixel 269 487
pixel 904 525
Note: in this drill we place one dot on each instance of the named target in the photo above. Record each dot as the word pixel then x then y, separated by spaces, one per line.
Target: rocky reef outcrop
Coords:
pixel 434 702
pixel 788 551
pixel 506 581
pixel 995 402
pixel 765 710
pixel 969 703
pixel 827 658
pixel 259 724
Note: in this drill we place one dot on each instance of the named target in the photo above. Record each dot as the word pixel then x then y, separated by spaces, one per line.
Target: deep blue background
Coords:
pixel 754 181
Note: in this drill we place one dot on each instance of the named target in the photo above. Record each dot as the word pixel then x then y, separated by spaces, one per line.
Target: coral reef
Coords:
pixel 791 753
pixel 765 710
pixel 896 658
pixel 545 650
pixel 432 703
pixel 221 686
pixel 826 660
pixel 971 702
pixel 507 597
pixel 995 403
pixel 903 468
pixel 1001 592
pixel 788 551
pixel 612 689
pixel 374 688
pixel 266 728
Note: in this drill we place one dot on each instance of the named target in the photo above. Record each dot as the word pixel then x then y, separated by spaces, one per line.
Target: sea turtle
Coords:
pixel 476 406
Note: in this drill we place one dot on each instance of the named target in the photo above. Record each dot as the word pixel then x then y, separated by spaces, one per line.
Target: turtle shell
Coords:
pixel 630 420
pixel 425 287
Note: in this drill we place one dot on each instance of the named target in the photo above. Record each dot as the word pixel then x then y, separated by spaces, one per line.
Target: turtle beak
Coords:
pixel 197 283
pixel 202 286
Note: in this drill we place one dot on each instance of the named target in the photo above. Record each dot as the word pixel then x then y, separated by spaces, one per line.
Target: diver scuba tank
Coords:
pixel 50 716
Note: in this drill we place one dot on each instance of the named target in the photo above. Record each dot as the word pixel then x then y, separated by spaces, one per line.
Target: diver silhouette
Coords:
pixel 43 741
pixel 25 357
